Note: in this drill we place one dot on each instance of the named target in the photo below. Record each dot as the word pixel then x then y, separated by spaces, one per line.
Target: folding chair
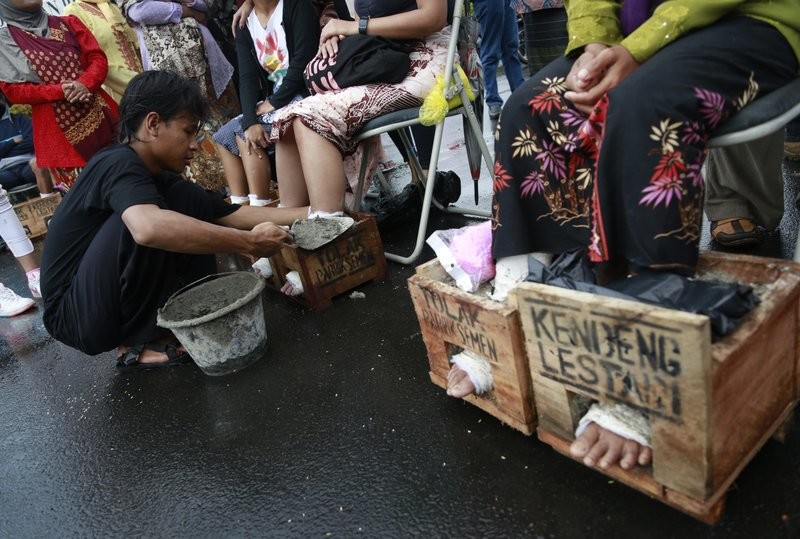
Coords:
pixel 402 119
pixel 760 118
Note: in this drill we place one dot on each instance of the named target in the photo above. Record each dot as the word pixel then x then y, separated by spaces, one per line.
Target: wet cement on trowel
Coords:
pixel 313 233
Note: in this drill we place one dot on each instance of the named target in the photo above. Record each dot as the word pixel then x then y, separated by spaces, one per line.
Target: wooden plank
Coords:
pixel 653 359
pixel 744 268
pixel 452 320
pixel 753 378
pixel 640 479
pixel 491 404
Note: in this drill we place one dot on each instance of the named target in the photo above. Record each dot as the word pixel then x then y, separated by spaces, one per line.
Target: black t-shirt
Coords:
pixel 113 180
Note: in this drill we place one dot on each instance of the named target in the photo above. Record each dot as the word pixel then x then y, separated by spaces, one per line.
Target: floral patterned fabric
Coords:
pixel 626 181
pixel 340 114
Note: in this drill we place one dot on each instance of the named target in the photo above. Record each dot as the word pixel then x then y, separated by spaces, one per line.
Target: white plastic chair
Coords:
pixel 402 119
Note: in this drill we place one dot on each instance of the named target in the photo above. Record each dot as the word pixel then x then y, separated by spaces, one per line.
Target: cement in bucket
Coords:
pixel 219 320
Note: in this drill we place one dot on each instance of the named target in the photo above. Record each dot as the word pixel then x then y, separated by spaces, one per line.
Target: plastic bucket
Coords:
pixel 219 319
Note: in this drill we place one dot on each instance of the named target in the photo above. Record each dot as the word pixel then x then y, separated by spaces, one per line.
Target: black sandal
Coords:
pixel 739 237
pixel 129 361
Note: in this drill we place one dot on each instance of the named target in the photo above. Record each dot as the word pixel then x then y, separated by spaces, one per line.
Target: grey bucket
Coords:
pixel 219 319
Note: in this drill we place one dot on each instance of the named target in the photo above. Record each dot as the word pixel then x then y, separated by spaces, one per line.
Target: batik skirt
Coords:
pixel 625 182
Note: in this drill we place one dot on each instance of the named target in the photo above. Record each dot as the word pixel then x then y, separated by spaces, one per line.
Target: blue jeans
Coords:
pixel 499 39
pixel 16 175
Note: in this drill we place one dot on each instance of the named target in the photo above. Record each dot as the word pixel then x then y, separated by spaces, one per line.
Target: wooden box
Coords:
pixel 35 214
pixel 711 406
pixel 452 319
pixel 350 260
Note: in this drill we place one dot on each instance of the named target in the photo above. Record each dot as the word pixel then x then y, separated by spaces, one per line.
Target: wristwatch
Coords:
pixel 362 25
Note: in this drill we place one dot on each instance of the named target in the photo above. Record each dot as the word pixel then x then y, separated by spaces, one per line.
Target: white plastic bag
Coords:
pixel 466 254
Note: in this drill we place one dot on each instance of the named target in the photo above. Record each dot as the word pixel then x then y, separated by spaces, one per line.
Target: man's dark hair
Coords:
pixel 166 93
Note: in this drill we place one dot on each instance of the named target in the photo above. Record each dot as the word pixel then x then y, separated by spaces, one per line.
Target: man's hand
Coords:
pixel 601 75
pixel 268 239
pixel 17 139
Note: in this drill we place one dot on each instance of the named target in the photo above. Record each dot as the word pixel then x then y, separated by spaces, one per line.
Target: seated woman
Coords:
pixel 55 65
pixel 602 150
pixel 280 39
pixel 173 37
pixel 314 136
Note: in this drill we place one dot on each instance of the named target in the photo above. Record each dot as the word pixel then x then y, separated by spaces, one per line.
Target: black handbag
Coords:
pixel 361 59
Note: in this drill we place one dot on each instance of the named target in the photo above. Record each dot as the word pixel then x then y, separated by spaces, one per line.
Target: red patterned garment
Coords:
pixel 65 134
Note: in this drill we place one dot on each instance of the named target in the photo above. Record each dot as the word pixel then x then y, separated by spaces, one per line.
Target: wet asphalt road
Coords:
pixel 337 431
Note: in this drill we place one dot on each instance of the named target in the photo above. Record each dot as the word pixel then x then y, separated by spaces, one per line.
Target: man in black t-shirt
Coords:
pixel 131 231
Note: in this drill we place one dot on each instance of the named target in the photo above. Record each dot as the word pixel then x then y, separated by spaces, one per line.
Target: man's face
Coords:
pixel 27 5
pixel 177 142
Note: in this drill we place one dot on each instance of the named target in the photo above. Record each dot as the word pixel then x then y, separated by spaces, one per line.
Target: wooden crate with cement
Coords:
pixel 452 320
pixel 711 406
pixel 337 267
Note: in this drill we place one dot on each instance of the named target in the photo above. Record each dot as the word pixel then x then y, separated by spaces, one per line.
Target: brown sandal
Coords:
pixel 735 232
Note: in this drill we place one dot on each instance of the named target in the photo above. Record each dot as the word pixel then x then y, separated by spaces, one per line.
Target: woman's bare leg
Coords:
pixel 28 262
pixel 234 170
pixel 291 181
pixel 323 166
pixel 43 180
pixel 256 170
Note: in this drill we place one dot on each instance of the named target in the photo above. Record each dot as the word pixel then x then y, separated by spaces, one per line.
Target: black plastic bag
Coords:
pixel 447 188
pixel 361 59
pixel 394 210
pixel 725 304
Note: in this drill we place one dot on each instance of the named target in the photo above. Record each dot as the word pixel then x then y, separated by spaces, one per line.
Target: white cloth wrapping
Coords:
pixel 263 268
pixel 293 278
pixel 619 419
pixel 512 270
pixel 477 368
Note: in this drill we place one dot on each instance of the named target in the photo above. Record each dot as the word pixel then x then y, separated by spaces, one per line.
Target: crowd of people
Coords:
pixel 128 97
pixel 600 150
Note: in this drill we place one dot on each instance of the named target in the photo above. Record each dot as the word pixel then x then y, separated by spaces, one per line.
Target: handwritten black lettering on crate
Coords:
pixel 612 356
pixel 342 259
pixel 458 322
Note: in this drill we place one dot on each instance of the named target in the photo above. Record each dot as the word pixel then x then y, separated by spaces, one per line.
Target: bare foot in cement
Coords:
pixel 293 285
pixel 458 383
pixel 597 445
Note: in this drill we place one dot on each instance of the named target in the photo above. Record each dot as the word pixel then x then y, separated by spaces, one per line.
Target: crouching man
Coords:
pixel 132 231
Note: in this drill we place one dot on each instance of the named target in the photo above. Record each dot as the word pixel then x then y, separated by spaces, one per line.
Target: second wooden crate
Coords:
pixel 348 261
pixel 711 406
